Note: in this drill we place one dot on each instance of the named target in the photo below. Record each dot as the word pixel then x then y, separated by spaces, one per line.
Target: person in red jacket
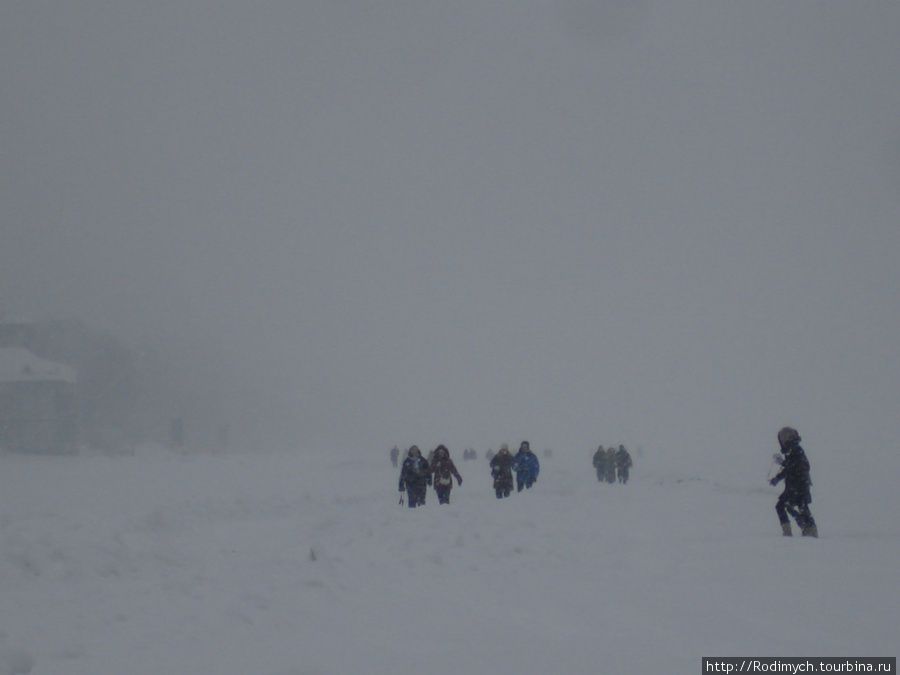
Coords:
pixel 443 469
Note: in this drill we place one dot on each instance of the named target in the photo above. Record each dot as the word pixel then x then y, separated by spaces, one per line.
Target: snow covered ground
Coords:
pixel 305 564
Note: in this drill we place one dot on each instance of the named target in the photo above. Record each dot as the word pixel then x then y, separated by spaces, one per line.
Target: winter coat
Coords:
pixel 610 465
pixel 443 469
pixel 414 473
pixel 526 466
pixel 501 471
pixel 795 473
pixel 623 459
pixel 599 461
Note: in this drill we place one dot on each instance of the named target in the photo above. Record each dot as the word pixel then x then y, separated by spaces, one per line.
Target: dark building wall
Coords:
pixel 38 417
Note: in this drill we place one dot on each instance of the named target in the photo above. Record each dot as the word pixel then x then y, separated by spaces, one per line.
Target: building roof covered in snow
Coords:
pixel 17 364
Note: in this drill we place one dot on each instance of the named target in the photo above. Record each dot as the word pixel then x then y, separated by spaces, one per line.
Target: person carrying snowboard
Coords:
pixel 443 469
pixel 526 466
pixel 796 498
pixel 415 476
pixel 501 472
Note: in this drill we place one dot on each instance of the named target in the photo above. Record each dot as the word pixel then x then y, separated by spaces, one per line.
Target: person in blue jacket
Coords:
pixel 526 466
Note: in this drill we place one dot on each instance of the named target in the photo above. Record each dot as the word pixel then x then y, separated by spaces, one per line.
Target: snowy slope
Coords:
pixel 306 564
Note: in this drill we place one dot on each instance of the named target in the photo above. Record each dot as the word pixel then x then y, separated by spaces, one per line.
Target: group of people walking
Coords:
pixel 417 472
pixel 524 464
pixel 612 464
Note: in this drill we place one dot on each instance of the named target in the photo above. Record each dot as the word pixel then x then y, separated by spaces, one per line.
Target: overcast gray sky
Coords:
pixel 668 224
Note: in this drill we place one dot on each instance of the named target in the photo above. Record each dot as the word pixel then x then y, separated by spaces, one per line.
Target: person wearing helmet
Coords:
pixel 415 476
pixel 526 466
pixel 796 498
pixel 444 470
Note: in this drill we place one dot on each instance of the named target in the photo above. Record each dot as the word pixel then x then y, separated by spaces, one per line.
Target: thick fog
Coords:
pixel 672 225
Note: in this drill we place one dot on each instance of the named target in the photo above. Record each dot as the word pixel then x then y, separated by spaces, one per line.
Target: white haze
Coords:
pixel 669 224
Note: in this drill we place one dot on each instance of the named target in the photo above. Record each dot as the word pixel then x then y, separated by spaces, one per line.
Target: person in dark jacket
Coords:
pixel 526 466
pixel 444 470
pixel 610 465
pixel 623 464
pixel 502 473
pixel 415 477
pixel 599 463
pixel 796 498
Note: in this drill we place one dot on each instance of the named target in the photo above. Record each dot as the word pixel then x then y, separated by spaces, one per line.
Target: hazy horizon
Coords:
pixel 671 225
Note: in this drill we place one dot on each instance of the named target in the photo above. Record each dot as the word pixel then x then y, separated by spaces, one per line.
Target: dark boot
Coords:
pixel 786 530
